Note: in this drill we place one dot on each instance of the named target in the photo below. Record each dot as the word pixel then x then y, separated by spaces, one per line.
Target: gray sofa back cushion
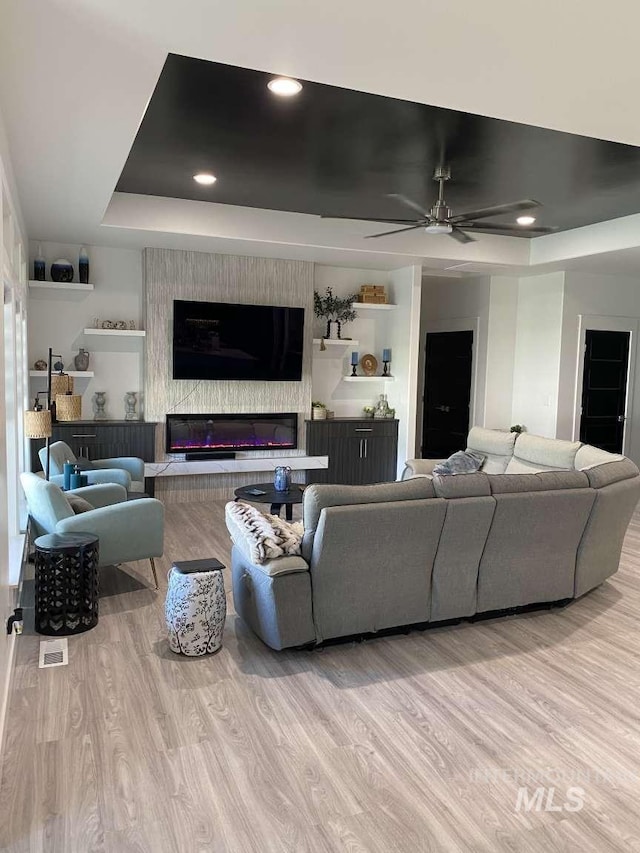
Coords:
pixel 611 472
pixel 495 444
pixel 461 485
pixel 318 496
pixel 536 453
pixel 588 456
pixel 546 481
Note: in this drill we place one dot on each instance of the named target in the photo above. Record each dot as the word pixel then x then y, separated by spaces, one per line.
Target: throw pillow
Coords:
pixel 78 504
pixel 461 462
pixel 83 464
pixel 268 536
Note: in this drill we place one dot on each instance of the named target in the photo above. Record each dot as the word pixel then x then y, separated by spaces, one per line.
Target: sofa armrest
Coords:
pixel 419 468
pixel 284 565
pixel 102 494
pixel 132 464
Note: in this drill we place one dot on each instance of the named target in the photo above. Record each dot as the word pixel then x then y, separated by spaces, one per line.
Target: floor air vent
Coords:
pixel 54 653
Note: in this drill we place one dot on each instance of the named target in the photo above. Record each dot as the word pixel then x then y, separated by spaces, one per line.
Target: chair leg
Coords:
pixel 153 569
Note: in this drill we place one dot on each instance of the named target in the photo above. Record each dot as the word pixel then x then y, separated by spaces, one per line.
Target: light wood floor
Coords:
pixel 359 747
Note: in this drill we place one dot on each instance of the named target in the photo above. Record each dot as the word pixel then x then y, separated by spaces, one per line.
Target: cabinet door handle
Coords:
pixel 366 447
pixel 364 429
pixel 83 435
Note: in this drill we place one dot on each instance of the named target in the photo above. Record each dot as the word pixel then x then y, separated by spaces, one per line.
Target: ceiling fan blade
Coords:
pixel 519 231
pixel 459 235
pixel 495 210
pixel 409 202
pixel 397 231
pixel 367 219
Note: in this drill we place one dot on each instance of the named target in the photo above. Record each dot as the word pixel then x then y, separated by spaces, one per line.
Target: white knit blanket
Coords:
pixel 267 536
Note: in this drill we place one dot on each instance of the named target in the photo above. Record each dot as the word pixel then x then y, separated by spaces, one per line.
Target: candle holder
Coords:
pixel 353 370
pixel 385 368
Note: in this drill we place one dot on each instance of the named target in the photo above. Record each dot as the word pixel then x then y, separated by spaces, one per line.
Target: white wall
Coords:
pixel 501 345
pixel 536 368
pixel 601 295
pixel 450 304
pixel 57 320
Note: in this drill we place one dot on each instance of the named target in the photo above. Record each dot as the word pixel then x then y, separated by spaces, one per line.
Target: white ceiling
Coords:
pixel 76 75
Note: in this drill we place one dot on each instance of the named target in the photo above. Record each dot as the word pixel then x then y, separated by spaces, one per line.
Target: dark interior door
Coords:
pixel 604 389
pixel 447 392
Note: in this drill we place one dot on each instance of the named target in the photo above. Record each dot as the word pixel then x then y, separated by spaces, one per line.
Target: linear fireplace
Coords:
pixel 204 436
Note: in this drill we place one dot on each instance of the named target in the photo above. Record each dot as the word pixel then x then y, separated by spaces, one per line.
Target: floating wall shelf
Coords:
pixel 78 374
pixel 56 285
pixel 333 342
pixel 369 378
pixel 373 306
pixel 123 333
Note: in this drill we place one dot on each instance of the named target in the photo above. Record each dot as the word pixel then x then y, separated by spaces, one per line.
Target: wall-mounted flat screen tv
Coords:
pixel 223 340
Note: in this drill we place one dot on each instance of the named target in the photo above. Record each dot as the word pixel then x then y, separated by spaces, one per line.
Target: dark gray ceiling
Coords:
pixel 340 152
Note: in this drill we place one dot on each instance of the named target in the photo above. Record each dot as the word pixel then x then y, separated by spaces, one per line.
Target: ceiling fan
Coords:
pixel 439 220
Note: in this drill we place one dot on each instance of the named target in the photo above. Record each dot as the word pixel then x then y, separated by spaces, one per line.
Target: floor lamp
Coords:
pixel 37 424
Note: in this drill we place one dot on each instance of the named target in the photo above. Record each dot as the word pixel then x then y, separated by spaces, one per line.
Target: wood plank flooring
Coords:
pixel 407 743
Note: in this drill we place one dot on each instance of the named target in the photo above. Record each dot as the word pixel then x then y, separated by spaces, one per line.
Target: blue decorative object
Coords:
pixel 282 478
pixel 355 358
pixel 386 355
pixel 61 271
pixel 68 469
pixel 39 266
pixel 76 480
pixel 83 266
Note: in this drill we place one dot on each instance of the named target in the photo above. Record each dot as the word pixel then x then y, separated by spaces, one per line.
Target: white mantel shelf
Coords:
pixel 375 306
pixel 59 285
pixel 336 342
pixel 181 468
pixel 368 378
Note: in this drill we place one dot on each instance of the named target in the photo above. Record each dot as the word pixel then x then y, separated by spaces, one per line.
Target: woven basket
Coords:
pixel 68 407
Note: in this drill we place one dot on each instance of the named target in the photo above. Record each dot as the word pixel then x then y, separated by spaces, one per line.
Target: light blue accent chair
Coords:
pixel 128 471
pixel 128 530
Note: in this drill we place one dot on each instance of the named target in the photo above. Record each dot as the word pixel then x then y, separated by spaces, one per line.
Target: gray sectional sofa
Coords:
pixel 543 521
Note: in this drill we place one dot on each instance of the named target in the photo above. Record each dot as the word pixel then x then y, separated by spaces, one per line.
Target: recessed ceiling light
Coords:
pixel 205 178
pixel 526 220
pixel 284 86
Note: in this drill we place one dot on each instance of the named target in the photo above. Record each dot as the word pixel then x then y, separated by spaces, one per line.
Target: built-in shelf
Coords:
pixel 123 333
pixel 369 378
pixel 59 285
pixel 373 306
pixel 78 374
pixel 333 342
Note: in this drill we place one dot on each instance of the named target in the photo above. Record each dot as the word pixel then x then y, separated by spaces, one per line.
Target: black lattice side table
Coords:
pixel 66 583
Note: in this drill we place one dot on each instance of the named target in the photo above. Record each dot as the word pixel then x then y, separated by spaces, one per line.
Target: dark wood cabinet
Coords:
pixel 360 450
pixel 102 439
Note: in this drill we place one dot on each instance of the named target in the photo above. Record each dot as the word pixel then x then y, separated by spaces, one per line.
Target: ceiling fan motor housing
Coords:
pixel 440 212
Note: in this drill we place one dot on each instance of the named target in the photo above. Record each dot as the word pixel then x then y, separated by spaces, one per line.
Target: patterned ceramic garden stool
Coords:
pixel 195 607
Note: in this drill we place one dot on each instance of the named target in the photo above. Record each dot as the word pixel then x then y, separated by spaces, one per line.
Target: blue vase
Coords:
pixel 61 271
pixel 282 478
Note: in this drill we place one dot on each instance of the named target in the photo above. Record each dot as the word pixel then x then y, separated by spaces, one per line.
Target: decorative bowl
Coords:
pixel 61 271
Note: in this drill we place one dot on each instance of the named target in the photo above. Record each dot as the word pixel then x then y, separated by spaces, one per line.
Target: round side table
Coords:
pixel 66 583
pixel 195 607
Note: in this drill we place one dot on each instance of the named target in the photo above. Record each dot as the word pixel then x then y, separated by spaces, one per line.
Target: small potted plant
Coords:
pixel 333 309
pixel 517 428
pixel 318 411
pixel 368 411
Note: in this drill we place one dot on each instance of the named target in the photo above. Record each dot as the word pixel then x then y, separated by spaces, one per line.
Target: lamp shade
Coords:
pixel 61 383
pixel 68 407
pixel 37 424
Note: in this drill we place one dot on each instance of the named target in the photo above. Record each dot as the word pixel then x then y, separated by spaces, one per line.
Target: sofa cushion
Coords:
pixel 496 445
pixel 460 462
pixel 546 452
pixel 611 472
pixel 79 504
pixel 318 496
pixel 462 486
pixel 588 456
pixel 546 481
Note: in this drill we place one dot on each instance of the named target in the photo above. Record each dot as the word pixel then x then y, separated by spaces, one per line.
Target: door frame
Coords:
pixel 464 324
pixel 599 323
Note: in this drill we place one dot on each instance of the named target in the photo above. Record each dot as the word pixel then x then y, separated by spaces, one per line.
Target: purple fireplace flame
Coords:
pixel 221 432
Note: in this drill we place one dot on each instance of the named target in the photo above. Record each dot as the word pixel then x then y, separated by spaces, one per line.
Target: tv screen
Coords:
pixel 222 340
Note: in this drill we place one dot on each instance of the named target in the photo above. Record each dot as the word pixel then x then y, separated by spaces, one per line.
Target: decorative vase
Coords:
pixel 83 266
pixel 61 271
pixel 130 402
pixel 99 401
pixel 282 478
pixel 81 361
pixel 39 266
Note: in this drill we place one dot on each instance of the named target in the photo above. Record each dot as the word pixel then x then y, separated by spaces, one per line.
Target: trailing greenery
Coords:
pixel 517 428
pixel 318 405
